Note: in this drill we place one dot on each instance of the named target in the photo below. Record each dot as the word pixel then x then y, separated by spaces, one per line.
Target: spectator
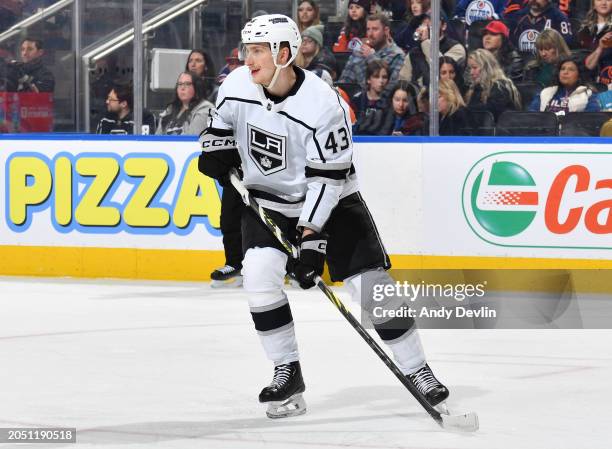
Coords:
pixel 490 90
pixel 416 64
pixel 604 99
pixel 474 10
pixel 453 113
pixel 189 110
pixel 378 45
pixel 567 7
pixel 308 15
pixel 355 27
pixel 392 120
pixel 232 62
pixel 526 24
pixel 312 54
pixel 495 38
pixel 404 38
pixel 418 124
pixel 30 74
pixel 569 94
pixel 119 118
pixel 10 13
pixel 200 63
pixel 371 99
pixel 550 47
pixel 449 70
pixel 596 35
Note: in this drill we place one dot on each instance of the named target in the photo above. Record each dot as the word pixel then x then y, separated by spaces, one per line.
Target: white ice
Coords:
pixel 178 365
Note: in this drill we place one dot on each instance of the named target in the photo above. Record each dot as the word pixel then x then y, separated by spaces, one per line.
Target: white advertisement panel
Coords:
pixel 119 193
pixel 483 197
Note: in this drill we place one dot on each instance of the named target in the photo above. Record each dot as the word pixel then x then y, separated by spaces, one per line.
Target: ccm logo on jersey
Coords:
pixel 267 150
pixel 219 143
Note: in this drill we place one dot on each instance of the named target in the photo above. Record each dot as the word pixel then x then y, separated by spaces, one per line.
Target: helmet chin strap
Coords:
pixel 276 72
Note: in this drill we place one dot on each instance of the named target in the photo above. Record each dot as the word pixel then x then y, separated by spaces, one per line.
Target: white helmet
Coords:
pixel 273 29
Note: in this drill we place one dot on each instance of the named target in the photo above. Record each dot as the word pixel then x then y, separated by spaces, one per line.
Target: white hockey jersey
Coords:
pixel 297 153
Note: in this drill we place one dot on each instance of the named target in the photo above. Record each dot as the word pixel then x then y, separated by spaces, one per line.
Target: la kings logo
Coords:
pixel 267 150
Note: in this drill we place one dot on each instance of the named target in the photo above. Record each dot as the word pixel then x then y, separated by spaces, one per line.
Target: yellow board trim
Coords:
pixel 194 265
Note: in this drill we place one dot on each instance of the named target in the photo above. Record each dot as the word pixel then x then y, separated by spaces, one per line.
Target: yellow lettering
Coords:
pixel 104 172
pixel 190 204
pixel 153 172
pixel 22 195
pixel 63 191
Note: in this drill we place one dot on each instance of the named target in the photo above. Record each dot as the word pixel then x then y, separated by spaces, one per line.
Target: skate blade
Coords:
pixel 467 422
pixel 294 406
pixel 234 282
pixel 442 408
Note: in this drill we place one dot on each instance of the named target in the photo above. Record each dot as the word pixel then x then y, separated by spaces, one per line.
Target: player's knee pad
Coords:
pixel 368 289
pixel 263 271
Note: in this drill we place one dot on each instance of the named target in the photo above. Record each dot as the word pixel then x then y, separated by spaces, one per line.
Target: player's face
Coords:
pixel 568 75
pixel 306 13
pixel 376 33
pixel 184 88
pixel 356 12
pixel 400 102
pixel 29 51
pixel 378 81
pixel 259 60
pixel 447 72
pixel 492 42
pixel 197 64
pixel 603 7
pixel 474 70
pixel 549 55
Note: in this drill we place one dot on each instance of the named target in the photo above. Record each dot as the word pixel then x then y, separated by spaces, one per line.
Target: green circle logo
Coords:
pixel 503 199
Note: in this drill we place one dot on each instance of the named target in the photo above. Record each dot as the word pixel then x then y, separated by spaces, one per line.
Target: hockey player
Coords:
pixel 291 134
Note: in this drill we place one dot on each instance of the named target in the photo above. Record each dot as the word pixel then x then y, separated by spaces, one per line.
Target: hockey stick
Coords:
pixel 465 422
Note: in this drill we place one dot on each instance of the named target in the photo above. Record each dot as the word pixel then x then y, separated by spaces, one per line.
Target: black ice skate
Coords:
pixel 284 394
pixel 429 386
pixel 226 276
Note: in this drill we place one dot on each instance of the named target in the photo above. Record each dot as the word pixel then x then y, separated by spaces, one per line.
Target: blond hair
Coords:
pixel 449 90
pixel 491 74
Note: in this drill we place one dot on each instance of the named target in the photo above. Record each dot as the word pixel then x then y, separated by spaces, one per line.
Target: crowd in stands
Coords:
pixel 495 56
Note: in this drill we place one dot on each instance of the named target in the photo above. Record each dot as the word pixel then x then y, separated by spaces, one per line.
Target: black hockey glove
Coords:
pixel 311 261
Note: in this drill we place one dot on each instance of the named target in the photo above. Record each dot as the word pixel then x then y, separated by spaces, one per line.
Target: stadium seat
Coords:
pixel 482 123
pixel 331 33
pixel 528 91
pixel 520 123
pixel 457 30
pixel 587 124
pixel 341 60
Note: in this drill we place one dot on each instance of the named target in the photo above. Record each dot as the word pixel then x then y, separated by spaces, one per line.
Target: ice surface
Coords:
pixel 178 365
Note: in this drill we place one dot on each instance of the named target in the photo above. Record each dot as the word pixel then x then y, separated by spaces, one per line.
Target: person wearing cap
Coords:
pixel 354 28
pixel 495 38
pixel 416 65
pixel 526 25
pixel 378 45
pixel 312 54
